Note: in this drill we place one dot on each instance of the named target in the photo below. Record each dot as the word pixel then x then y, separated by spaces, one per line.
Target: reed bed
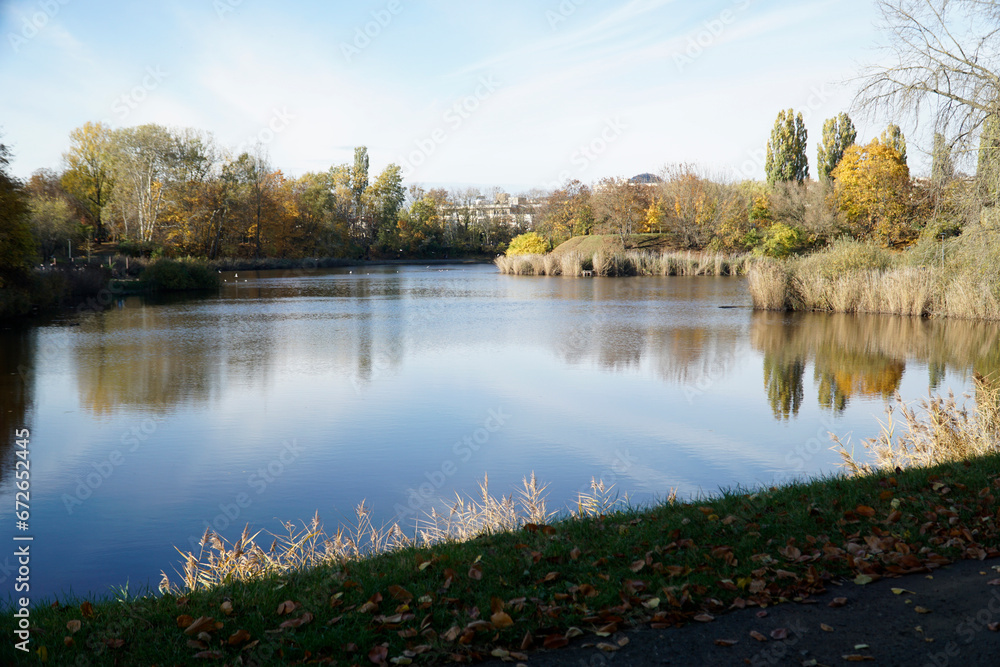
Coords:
pixel 938 430
pixel 626 263
pixel 219 561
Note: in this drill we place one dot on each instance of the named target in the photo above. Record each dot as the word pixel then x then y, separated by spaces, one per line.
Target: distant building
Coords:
pixel 646 179
pixel 514 211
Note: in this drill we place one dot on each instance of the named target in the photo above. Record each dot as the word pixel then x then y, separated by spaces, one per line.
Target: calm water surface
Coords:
pixel 288 393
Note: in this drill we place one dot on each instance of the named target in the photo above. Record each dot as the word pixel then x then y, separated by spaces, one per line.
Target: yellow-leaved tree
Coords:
pixel 531 243
pixel 872 191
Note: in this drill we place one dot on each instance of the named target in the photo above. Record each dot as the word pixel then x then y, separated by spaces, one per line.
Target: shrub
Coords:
pixel 531 243
pixel 174 275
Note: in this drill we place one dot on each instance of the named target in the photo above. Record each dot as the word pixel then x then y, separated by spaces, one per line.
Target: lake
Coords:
pixel 291 392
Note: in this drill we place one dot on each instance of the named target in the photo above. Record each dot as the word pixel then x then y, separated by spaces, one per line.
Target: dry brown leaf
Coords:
pixel 825 628
pixel 286 607
pixel 865 510
pixel 779 633
pixel 296 622
pixel 857 657
pixel 209 655
pixel 725 642
pixel 574 553
pixel 378 654
pixel 87 610
pixel 758 636
pixel 921 610
pixel 200 624
pixel 704 618
pixel 837 602
pixel 238 637
pixel 226 607
pixel 501 620
pixel 184 621
pixel 73 626
pixel 604 646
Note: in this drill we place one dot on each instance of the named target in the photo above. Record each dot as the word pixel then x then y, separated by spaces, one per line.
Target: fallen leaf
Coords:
pixel 378 654
pixel 286 607
pixel 779 633
pixel 184 620
pixel 87 610
pixel 68 641
pixel 501 620
pixel 200 624
pixel 114 643
pixel 476 572
pixel 574 553
pixel 759 637
pixel 573 632
pixel 825 628
pixel 725 642
pixel 837 602
pixel 902 591
pixel 855 657
pixel 238 637
pixel 554 641
pixel 704 618
pixel 865 510
pixel 863 579
pixel 73 626
pixel 993 627
pixel 209 655
pixel 226 607
pixel 604 646
pixel 400 593
pixel 922 610
pixel 296 622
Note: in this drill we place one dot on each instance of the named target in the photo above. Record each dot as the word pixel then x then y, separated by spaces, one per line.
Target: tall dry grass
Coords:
pixel 852 277
pixel 219 561
pixel 627 263
pixel 938 430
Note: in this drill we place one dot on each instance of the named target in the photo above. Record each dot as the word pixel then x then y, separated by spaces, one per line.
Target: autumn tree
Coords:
pixel 786 149
pixel 697 207
pixel 620 206
pixel 838 134
pixel 872 187
pixel 141 162
pixel 383 200
pixel 566 212
pixel 88 174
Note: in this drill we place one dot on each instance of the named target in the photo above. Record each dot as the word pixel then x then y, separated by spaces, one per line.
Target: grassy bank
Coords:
pixel 539 583
pixel 955 278
pixel 625 263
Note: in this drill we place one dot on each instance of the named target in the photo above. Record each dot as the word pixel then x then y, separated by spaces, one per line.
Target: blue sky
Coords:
pixel 517 94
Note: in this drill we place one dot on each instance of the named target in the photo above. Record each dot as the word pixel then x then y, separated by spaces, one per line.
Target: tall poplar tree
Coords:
pixel 893 136
pixel 786 150
pixel 838 134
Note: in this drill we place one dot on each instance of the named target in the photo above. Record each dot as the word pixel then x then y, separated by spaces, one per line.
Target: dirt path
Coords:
pixel 941 620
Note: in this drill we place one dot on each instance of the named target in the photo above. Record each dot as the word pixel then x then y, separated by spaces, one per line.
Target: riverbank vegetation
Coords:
pixel 625 263
pixel 502 577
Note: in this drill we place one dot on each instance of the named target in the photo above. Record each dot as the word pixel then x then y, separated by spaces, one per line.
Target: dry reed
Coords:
pixel 627 263
pixel 937 431
pixel 219 561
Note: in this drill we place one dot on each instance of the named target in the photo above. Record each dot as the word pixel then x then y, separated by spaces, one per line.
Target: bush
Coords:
pixel 176 275
pixel 843 256
pixel 779 240
pixel 531 243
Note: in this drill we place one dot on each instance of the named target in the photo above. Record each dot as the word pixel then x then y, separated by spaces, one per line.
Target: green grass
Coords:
pixel 531 587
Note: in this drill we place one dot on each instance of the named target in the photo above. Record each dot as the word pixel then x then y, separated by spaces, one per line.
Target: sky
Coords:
pixel 518 94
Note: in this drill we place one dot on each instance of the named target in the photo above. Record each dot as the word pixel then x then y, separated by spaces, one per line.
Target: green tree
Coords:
pixel 942 166
pixel 786 150
pixel 383 199
pixel 17 247
pixel 893 136
pixel 359 183
pixel 838 134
